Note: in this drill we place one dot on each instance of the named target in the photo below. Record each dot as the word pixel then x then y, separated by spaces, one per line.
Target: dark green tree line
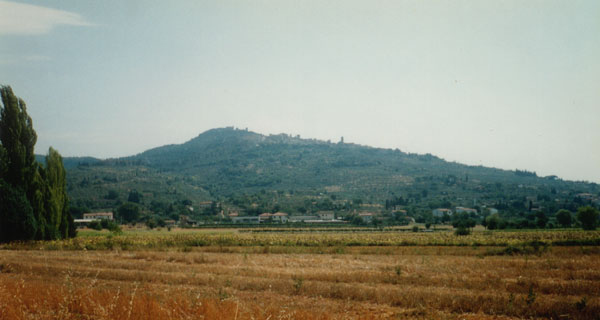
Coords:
pixel 33 198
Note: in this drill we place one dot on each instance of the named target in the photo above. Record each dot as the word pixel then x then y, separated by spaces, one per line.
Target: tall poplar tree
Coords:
pixel 57 208
pixel 18 169
pixel 18 139
pixel 33 199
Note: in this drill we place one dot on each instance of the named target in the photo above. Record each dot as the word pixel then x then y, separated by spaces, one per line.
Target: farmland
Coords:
pixel 230 274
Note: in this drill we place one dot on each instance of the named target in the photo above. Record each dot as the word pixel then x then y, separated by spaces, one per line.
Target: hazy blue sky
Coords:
pixel 508 84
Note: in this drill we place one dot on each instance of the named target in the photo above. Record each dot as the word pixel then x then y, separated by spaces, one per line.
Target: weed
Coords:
pixel 200 259
pixel 398 270
pixel 581 304
pixel 511 302
pixel 5 268
pixel 132 300
pixel 298 282
pixel 531 296
pixel 533 247
pixel 223 295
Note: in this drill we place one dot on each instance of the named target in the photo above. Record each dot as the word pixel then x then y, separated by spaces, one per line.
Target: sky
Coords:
pixel 506 84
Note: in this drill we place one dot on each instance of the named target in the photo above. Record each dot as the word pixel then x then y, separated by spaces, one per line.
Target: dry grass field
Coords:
pixel 288 282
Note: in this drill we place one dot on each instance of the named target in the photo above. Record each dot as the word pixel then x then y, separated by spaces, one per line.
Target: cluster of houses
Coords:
pixel 267 217
pixel 320 217
pixel 589 198
pixel 440 212
pixel 282 217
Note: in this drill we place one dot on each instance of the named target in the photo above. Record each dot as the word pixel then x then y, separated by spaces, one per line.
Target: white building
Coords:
pixel 326 215
pixel 366 216
pixel 281 217
pixel 98 216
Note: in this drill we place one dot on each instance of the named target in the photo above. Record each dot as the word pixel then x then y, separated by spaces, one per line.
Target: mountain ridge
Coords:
pixel 216 133
pixel 248 171
pixel 219 136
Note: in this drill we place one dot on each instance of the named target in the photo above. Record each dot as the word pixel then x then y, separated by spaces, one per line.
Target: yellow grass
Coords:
pixel 212 282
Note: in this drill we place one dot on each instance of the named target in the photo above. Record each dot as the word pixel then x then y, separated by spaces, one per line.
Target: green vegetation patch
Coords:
pixel 512 242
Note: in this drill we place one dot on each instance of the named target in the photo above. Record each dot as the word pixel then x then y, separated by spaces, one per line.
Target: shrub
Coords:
pixel 493 221
pixel 151 223
pixel 114 227
pixel 462 231
pixel 532 247
pixel 96 225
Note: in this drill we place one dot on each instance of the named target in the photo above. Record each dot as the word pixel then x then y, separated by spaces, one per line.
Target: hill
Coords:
pixel 249 172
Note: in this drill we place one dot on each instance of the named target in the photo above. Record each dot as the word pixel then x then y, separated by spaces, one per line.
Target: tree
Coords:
pixel 129 212
pixel 17 221
pixel 564 218
pixel 134 196
pixel 462 220
pixel 18 170
pixel 38 201
pixel 112 195
pixel 540 219
pixel 57 206
pixel 356 220
pixel 493 221
pixel 33 199
pixel 588 216
pixel 18 139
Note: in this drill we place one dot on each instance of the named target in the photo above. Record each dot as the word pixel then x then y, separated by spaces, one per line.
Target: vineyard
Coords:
pixel 224 274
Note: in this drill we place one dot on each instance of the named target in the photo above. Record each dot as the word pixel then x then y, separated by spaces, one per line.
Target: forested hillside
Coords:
pixel 248 172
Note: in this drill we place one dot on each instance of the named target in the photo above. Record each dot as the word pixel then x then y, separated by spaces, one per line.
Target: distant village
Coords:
pixel 366 214
pixel 319 217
